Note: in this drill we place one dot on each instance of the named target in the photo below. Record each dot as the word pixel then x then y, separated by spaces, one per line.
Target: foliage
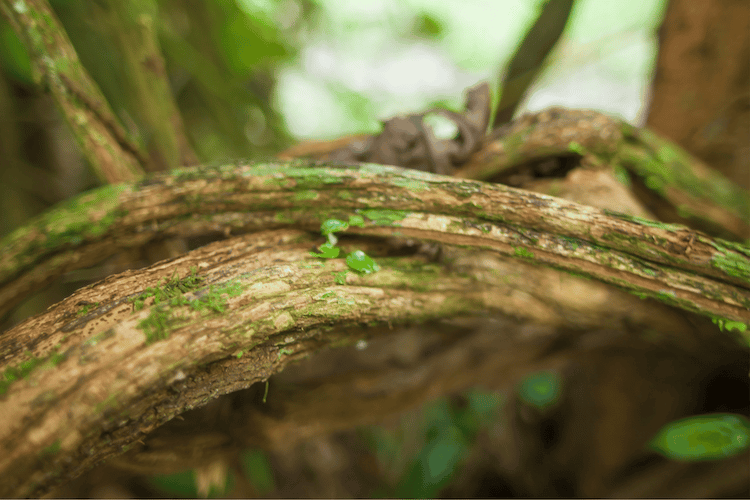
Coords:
pixel 540 389
pixel 703 437
pixel 445 432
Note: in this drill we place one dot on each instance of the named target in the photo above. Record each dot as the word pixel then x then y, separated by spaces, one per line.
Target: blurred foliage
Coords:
pixel 540 389
pixel 220 58
pixel 13 56
pixel 424 452
pixel 257 469
pixel 184 485
pixel 703 437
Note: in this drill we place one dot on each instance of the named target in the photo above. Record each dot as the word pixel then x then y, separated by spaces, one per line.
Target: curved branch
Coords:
pixel 671 263
pixel 100 370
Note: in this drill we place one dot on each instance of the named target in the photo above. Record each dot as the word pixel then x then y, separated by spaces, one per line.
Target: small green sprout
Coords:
pixel 330 226
pixel 360 261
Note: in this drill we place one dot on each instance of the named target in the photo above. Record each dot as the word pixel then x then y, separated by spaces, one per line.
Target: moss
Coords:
pixel 340 277
pixel 663 164
pixel 162 318
pixel 26 367
pixel 645 222
pixel 524 253
pixel 306 195
pixel 52 449
pixel 173 287
pixel 383 217
pixel 99 337
pixel 732 259
pixel 86 308
pixel 284 217
pixel 410 184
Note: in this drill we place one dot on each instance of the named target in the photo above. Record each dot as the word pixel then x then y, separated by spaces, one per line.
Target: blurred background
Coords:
pixel 253 77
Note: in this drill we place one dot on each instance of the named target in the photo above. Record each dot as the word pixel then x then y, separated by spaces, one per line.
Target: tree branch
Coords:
pixel 105 144
pixel 671 263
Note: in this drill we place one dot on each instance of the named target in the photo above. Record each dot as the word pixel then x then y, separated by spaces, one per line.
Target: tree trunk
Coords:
pixel 700 96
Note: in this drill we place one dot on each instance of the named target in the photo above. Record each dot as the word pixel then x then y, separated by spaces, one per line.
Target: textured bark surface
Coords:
pixel 700 97
pixel 100 373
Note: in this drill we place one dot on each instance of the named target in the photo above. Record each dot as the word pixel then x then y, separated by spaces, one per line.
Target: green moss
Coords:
pixel 714 436
pixel 541 389
pixel 645 222
pixel 86 308
pixel 340 277
pixel 356 221
pixel 99 337
pixel 52 449
pixel 523 252
pixel 410 184
pixel 661 164
pixel 26 367
pixel 383 217
pixel 305 195
pixel 576 148
pixel 174 287
pixel 162 318
pixel 732 259
pixel 284 217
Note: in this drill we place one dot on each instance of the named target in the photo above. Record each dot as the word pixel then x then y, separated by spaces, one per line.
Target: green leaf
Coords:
pixel 704 437
pixel 327 251
pixel 333 226
pixel 540 389
pixel 360 261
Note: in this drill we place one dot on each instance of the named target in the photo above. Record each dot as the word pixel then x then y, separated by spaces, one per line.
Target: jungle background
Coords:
pixel 253 78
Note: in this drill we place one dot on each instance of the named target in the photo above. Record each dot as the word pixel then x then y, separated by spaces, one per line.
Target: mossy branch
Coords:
pixel 153 343
pixel 103 141
pixel 671 263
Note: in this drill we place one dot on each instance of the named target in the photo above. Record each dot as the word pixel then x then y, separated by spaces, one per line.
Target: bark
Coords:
pixel 111 152
pixel 529 58
pixel 700 96
pixel 92 375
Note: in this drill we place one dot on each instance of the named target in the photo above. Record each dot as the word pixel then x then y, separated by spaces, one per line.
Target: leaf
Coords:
pixel 540 389
pixel 360 261
pixel 704 437
pixel 333 226
pixel 327 251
